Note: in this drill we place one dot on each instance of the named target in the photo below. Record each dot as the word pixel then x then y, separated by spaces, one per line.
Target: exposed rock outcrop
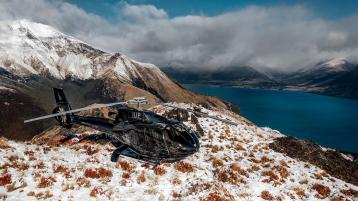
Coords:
pixel 331 161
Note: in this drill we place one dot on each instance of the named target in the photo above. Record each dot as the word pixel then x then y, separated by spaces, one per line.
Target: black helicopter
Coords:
pixel 140 134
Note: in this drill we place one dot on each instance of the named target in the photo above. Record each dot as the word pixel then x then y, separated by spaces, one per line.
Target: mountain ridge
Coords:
pixel 334 77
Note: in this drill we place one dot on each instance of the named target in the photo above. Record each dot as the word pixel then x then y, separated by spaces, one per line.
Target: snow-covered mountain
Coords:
pixel 326 69
pixel 32 48
pixel 35 57
pixel 233 163
pixel 334 65
pixel 336 77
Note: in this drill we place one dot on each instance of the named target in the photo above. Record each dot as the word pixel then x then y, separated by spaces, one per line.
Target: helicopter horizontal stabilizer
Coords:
pixel 63 111
pixel 204 114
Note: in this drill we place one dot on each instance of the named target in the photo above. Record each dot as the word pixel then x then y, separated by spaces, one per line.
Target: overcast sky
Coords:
pixel 279 36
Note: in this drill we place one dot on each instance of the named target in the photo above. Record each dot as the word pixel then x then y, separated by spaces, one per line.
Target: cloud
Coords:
pixel 141 13
pixel 284 38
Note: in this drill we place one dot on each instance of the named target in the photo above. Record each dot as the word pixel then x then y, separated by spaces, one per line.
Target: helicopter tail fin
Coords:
pixel 62 106
pixel 61 98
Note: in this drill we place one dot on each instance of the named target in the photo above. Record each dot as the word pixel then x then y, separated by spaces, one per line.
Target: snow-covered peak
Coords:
pixel 28 47
pixel 335 64
pixel 38 29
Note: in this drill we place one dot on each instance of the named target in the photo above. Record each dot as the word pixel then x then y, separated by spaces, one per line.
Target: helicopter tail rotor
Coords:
pixel 63 105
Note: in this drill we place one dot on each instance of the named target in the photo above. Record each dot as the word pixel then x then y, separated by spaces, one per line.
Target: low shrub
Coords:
pixel 98 173
pixel 45 182
pixel 6 179
pixel 272 176
pixel 218 163
pixel 323 191
pixel 350 192
pixel 95 191
pixel 184 167
pixel 227 175
pixel 126 175
pixel 124 165
pixel 141 178
pixel 91 150
pixel 83 182
pixel 214 197
pixel 159 171
pixel 266 195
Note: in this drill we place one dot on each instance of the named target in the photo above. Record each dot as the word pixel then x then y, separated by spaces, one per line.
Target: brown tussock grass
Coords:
pixel 83 182
pixel 322 191
pixel 184 167
pixel 6 179
pixel 217 163
pixel 97 173
pixel 40 195
pixel 300 192
pixel 350 192
pixel 4 144
pixel 124 165
pixel 45 182
pixel 266 195
pixel 159 171
pixel 141 178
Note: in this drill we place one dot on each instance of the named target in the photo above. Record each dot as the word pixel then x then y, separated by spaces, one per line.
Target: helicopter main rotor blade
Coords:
pixel 204 114
pixel 75 110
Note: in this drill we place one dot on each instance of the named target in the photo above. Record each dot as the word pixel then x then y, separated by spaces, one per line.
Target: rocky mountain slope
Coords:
pixel 35 57
pixel 233 163
pixel 335 77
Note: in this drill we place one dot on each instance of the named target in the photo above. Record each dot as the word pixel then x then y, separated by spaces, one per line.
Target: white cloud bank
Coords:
pixel 283 38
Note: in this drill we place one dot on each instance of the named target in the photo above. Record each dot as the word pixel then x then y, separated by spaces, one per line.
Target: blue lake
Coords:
pixel 329 121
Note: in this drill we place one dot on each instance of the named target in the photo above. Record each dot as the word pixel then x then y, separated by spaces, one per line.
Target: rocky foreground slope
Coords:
pixel 233 163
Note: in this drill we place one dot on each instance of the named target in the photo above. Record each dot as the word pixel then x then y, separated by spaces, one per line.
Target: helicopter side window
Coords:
pixel 136 115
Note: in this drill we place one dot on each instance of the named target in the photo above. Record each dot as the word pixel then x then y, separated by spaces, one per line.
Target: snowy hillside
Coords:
pixel 32 48
pixel 233 163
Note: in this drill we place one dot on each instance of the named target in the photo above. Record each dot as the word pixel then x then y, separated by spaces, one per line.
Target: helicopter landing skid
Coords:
pixel 104 137
pixel 117 152
pixel 129 152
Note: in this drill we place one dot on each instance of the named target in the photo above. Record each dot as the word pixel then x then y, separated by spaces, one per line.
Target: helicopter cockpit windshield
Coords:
pixel 177 133
pixel 155 118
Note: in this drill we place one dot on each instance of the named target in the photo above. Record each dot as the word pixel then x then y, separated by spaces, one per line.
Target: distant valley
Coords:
pixel 335 77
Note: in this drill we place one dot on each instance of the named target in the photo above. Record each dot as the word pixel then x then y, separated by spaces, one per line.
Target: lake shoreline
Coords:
pixel 323 119
pixel 316 91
